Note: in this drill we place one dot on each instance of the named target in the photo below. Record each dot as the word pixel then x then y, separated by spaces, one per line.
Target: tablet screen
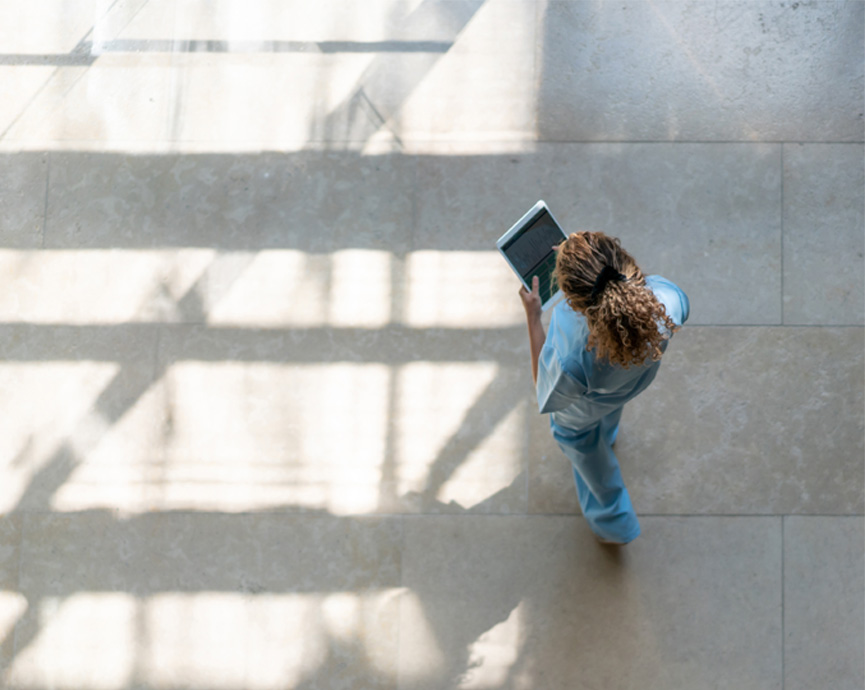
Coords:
pixel 530 251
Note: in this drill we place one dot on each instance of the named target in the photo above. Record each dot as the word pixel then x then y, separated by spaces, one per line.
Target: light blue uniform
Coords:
pixel 584 397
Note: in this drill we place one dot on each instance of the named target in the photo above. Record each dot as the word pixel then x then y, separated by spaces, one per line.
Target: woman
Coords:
pixel 604 347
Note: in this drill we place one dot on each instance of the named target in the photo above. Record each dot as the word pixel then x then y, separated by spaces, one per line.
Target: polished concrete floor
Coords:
pixel 268 419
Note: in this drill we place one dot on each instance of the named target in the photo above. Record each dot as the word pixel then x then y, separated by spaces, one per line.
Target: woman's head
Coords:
pixel 601 280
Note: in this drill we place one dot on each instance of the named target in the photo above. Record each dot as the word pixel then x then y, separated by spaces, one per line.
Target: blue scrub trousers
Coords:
pixel 600 489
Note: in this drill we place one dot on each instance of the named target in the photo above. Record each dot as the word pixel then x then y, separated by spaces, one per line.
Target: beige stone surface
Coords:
pixel 268 418
pixel 537 601
pixel 22 88
pixel 23 178
pixel 824 602
pixel 824 234
pixel 736 422
pixel 684 71
pixel 114 99
pixel 207 598
pixel 50 27
pixel 313 201
pixel 82 418
pixel 483 87
pixel 13 604
pixel 318 419
pixel 703 215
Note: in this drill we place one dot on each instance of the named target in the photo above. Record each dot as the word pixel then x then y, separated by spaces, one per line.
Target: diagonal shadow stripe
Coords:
pixel 499 398
pixel 119 396
pixel 127 387
pixel 385 85
pixel 75 57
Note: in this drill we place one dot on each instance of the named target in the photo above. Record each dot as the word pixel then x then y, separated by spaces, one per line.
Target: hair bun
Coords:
pixel 606 276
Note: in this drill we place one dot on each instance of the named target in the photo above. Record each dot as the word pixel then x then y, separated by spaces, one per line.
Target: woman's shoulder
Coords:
pixel 674 299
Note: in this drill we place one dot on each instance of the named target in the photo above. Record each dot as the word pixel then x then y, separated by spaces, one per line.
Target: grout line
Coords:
pixel 775 325
pixel 264 330
pixel 465 513
pixel 257 145
pixel 783 621
pixel 610 142
pixel 688 141
pixel 782 236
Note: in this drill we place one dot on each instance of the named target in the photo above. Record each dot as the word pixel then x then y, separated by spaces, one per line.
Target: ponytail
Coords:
pixel 627 324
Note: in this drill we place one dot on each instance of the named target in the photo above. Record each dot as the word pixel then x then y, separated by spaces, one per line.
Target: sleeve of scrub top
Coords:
pixel 556 387
pixel 675 300
pixel 684 306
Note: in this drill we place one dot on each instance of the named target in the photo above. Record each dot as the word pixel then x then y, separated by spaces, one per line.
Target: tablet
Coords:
pixel 528 248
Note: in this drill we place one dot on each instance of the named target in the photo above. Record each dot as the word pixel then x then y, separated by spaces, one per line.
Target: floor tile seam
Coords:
pixel 782 214
pixel 766 515
pixel 408 139
pixel 396 324
pixel 401 326
pixel 258 146
pixel 758 142
pixel 783 609
pixel 775 325
pixel 120 514
pixel 468 514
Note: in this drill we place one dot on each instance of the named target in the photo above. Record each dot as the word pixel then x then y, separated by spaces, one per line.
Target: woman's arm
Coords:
pixel 532 305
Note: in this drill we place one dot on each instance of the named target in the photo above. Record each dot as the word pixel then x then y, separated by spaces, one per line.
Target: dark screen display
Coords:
pixel 531 252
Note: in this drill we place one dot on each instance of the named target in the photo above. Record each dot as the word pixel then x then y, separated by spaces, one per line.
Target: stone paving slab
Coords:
pixel 351 420
pixel 294 211
pixel 12 602
pixel 180 599
pixel 738 421
pixel 536 602
pixel 824 234
pixel 82 418
pixel 443 70
pixel 529 600
pixel 23 179
pixel 824 603
pixel 685 71
pixel 320 202
pixel 116 99
pixel 26 31
pixel 21 88
pixel 703 215
pixel 315 201
pixel 483 88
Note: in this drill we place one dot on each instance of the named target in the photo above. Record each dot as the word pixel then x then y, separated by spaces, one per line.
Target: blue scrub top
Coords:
pixel 579 390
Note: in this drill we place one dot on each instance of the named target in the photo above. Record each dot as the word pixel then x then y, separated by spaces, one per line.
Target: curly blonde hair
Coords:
pixel 601 280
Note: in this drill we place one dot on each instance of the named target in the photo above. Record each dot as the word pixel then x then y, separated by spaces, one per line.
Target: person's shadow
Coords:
pixel 467 573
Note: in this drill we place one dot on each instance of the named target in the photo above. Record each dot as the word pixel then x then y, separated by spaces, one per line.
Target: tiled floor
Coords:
pixel 268 419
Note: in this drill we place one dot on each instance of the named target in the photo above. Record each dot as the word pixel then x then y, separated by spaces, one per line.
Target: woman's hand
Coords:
pixel 532 305
pixel 532 300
